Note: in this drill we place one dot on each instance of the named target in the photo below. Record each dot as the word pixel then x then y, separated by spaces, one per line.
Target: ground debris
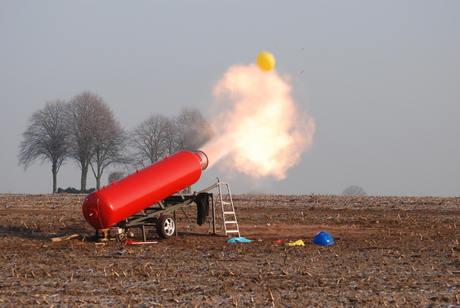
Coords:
pixel 388 251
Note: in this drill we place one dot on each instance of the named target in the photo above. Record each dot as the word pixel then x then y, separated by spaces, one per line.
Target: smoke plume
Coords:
pixel 257 127
pixel 197 131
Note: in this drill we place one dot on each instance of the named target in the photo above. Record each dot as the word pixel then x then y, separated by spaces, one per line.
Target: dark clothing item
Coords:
pixel 202 202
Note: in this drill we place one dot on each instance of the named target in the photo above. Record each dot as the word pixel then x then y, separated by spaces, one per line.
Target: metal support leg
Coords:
pixel 213 210
pixel 144 236
pixel 175 221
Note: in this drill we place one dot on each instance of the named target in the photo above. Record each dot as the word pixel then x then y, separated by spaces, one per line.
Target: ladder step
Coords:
pixel 228 214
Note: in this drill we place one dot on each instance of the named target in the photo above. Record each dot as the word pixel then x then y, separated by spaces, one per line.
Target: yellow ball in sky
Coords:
pixel 266 61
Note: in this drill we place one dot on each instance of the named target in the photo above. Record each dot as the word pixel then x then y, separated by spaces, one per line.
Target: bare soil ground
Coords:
pixel 388 252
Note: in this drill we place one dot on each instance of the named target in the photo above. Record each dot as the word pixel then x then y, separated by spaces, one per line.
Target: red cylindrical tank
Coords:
pixel 136 192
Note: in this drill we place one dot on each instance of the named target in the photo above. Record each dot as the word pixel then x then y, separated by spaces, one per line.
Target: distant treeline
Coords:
pixel 85 131
pixel 72 190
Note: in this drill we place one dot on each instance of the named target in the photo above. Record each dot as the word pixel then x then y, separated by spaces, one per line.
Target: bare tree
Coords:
pixel 87 115
pixel 170 136
pixel 115 176
pixel 354 190
pixel 159 135
pixel 192 130
pixel 109 142
pixel 181 123
pixel 147 140
pixel 45 138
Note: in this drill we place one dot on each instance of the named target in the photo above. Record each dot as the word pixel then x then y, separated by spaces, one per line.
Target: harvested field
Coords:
pixel 388 252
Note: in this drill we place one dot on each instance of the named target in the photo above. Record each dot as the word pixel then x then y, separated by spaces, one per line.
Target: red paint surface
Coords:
pixel 136 192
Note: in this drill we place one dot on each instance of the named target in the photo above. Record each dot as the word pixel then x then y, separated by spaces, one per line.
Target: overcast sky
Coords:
pixel 381 79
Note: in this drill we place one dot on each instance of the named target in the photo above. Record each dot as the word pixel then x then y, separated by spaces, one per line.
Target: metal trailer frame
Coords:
pixel 158 214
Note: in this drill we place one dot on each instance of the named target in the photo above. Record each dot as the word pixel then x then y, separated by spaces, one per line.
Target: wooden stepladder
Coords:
pixel 227 218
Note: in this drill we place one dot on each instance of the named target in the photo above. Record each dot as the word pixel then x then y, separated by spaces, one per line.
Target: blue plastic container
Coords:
pixel 323 238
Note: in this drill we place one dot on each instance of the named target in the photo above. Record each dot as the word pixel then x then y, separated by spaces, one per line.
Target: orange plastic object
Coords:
pixel 142 189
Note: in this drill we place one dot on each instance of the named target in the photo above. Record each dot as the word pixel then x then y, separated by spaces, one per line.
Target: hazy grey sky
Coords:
pixel 380 78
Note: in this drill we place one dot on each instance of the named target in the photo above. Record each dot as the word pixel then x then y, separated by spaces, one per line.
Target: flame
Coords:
pixel 259 130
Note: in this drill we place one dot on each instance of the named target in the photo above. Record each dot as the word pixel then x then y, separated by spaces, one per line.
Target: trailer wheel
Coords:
pixel 166 226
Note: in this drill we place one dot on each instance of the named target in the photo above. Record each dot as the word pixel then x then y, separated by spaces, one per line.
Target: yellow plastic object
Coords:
pixel 296 243
pixel 266 61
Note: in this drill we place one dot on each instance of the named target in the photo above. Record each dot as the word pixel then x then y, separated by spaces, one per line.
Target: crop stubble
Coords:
pixel 388 252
